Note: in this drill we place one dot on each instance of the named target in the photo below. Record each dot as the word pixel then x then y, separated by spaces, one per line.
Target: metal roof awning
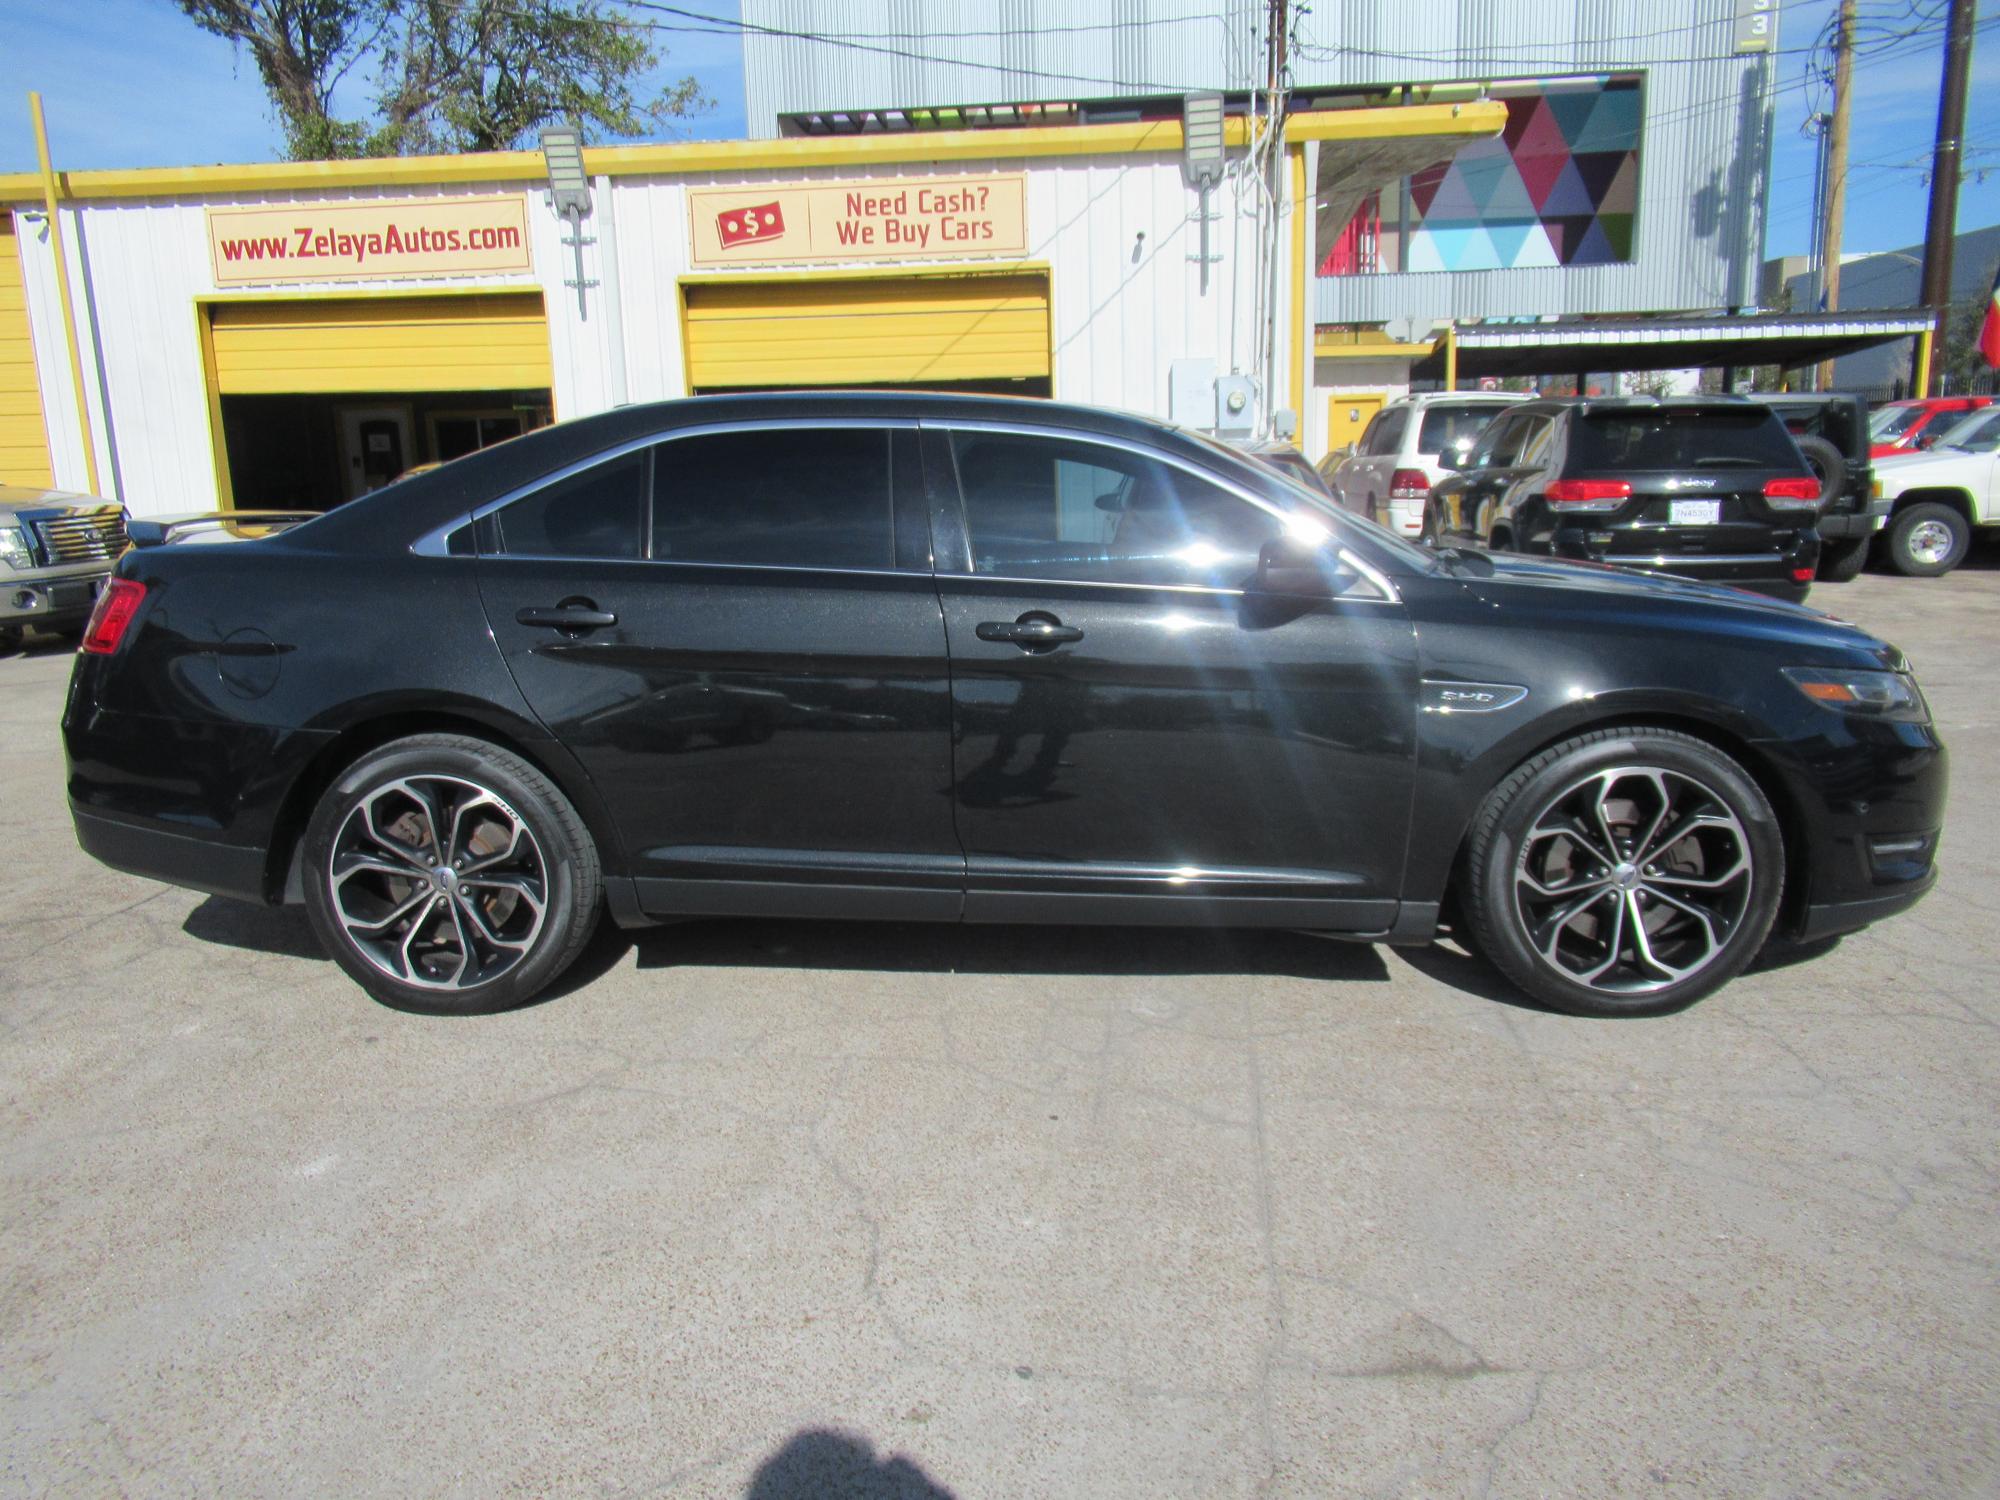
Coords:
pixel 1608 345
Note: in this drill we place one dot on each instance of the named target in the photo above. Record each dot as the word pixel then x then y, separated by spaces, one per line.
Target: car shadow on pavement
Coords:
pixel 40 644
pixel 259 929
pixel 947 948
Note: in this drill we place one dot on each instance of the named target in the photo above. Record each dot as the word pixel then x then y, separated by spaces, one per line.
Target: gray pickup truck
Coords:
pixel 56 549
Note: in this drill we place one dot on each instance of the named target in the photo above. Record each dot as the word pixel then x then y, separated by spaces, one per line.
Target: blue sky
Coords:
pixel 131 83
pixel 134 83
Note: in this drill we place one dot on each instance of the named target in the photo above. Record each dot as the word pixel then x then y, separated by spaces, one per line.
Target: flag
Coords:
pixel 1989 330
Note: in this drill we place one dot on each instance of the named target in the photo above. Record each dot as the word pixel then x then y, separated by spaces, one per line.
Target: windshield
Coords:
pixel 1891 422
pixel 1977 433
pixel 1688 438
pixel 1454 427
pixel 1314 502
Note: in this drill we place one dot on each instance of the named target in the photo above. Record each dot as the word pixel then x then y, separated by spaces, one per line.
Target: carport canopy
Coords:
pixel 1607 345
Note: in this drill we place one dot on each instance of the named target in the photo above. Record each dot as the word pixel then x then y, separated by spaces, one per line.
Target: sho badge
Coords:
pixel 1469 697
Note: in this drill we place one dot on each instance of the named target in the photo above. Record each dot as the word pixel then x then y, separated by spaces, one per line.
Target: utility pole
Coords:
pixel 1947 166
pixel 1834 219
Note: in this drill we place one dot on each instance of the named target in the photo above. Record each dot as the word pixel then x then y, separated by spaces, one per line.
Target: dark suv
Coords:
pixel 1705 487
pixel 1831 429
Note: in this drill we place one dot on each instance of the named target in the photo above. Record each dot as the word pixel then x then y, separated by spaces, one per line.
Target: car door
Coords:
pixel 1139 734
pixel 1468 505
pixel 735 629
pixel 1385 443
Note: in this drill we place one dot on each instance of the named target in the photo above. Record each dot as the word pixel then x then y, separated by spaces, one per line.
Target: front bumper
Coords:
pixel 51 601
pixel 1833 918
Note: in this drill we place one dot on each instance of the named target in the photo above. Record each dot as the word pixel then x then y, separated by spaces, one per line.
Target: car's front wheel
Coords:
pixel 446 874
pixel 1624 873
pixel 1927 540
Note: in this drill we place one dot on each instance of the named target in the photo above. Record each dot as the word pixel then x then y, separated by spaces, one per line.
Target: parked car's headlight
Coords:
pixel 14 548
pixel 1868 695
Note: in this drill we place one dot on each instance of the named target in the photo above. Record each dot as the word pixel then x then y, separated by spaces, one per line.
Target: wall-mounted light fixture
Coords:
pixel 569 195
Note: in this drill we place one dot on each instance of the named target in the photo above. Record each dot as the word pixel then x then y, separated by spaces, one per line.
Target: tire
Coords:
pixel 1527 875
pixel 401 923
pixel 1828 464
pixel 1926 540
pixel 1842 561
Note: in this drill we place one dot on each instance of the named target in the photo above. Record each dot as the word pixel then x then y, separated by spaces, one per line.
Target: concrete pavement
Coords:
pixel 790 1210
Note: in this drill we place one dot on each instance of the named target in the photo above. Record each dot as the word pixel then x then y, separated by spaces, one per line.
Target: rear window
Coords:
pixel 1449 427
pixel 1831 420
pixel 1699 439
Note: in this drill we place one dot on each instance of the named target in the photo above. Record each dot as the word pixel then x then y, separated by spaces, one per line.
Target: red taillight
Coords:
pixel 1591 492
pixel 1802 575
pixel 1803 490
pixel 112 616
pixel 1409 484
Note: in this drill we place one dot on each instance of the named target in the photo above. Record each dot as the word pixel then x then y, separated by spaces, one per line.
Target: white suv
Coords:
pixel 1388 475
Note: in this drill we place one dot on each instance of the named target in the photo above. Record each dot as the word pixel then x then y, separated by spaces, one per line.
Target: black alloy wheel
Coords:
pixel 1624 873
pixel 445 874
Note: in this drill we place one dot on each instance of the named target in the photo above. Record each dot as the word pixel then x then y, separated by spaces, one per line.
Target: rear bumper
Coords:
pixel 175 858
pixel 1840 526
pixel 1768 573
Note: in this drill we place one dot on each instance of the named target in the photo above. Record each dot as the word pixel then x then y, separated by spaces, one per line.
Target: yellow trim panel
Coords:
pixel 24 430
pixel 330 346
pixel 785 154
pixel 885 330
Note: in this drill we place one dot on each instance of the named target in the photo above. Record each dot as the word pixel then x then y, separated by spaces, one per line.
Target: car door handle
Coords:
pixel 1028 632
pixel 572 618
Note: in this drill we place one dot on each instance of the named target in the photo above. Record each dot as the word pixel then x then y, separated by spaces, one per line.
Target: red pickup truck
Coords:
pixel 1900 426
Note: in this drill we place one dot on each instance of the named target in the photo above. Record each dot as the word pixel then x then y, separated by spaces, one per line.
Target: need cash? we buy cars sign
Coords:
pixel 388 239
pixel 906 218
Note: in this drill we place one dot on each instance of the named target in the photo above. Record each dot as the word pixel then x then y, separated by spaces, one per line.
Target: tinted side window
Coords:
pixel 1061 508
pixel 1390 438
pixel 597 513
pixel 1500 447
pixel 804 497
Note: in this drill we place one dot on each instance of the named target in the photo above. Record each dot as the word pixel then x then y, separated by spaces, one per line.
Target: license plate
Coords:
pixel 1693 512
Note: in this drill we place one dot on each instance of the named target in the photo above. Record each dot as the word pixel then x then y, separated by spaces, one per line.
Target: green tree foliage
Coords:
pixel 450 75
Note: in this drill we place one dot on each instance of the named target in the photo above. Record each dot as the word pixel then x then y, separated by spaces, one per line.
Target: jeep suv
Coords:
pixel 1712 488
pixel 1831 429
pixel 56 550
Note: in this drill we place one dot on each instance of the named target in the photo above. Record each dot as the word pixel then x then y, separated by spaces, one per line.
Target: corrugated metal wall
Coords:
pixel 1705 146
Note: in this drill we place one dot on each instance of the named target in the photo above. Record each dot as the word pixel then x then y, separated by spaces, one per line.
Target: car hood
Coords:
pixel 1590 587
pixel 1901 471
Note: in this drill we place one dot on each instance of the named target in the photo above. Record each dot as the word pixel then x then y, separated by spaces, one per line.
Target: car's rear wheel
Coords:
pixel 446 874
pixel 1842 562
pixel 1927 540
pixel 1624 873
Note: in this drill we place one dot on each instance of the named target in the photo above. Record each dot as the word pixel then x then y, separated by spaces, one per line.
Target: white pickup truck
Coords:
pixel 1938 496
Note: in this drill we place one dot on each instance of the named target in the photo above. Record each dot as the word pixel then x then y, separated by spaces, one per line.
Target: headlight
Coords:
pixel 14 548
pixel 1865 694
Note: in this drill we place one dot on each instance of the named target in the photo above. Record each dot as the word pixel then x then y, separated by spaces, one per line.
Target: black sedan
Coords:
pixel 966 659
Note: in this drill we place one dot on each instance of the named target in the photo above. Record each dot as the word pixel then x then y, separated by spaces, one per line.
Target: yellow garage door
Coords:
pixel 902 330
pixel 24 436
pixel 472 343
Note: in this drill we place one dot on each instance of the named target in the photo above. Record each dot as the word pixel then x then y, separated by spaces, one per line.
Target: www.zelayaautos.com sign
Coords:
pixel 379 240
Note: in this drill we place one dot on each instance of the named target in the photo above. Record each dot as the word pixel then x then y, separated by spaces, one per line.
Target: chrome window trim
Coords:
pixel 433 542
pixel 1022 429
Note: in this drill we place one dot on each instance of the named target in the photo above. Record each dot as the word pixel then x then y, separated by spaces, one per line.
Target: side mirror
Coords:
pixel 1454 459
pixel 1288 566
pixel 1348 450
pixel 1112 501
pixel 1927 439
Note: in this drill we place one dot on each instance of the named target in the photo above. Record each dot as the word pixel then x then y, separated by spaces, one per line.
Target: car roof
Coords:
pixel 1470 398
